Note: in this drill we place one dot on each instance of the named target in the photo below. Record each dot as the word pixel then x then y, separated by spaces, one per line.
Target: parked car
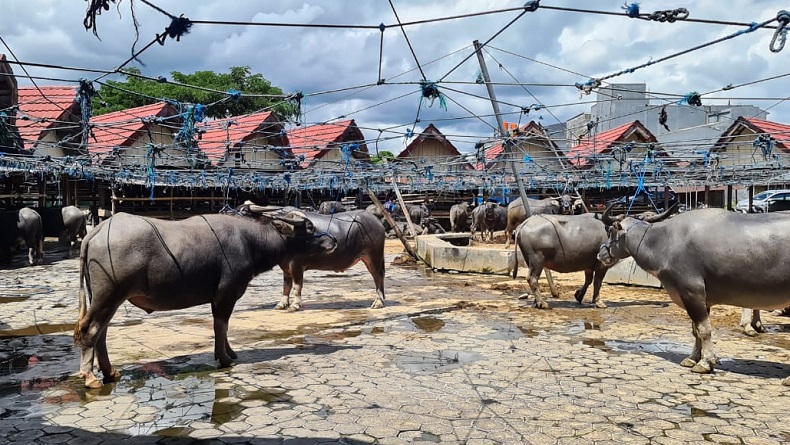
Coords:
pixel 767 201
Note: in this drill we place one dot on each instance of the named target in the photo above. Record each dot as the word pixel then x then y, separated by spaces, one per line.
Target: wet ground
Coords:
pixel 453 358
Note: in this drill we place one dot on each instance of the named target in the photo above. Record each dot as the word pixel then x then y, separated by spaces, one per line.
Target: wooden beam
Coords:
pixel 394 225
pixel 403 207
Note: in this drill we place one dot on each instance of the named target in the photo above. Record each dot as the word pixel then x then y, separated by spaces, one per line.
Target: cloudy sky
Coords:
pixel 546 50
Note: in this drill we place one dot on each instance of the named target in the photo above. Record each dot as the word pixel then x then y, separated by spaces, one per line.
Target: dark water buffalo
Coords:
pixel 563 243
pixel 563 205
pixel 488 218
pixel 59 221
pixel 416 212
pixel 431 226
pixel 330 207
pixel 159 265
pixel 708 257
pixel 360 237
pixel 459 217
pixel 21 225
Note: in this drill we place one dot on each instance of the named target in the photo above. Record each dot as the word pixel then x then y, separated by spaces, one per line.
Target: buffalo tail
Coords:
pixel 515 250
pixel 84 292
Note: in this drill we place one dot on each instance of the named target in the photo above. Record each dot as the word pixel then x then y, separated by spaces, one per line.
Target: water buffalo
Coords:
pixel 563 205
pixel 488 218
pixel 416 212
pixel 360 237
pixel 459 217
pixel 563 243
pixel 330 207
pixel 25 225
pixel 708 257
pixel 59 221
pixel 159 265
pixel 431 226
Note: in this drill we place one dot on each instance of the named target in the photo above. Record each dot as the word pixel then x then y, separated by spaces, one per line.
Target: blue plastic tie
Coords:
pixel 631 10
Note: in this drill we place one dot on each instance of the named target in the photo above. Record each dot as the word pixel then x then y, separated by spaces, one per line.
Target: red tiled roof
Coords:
pixel 780 132
pixel 241 128
pixel 44 111
pixel 122 128
pixel 312 141
pixel 604 142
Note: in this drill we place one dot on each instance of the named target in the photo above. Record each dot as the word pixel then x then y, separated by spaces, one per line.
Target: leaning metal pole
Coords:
pixel 507 144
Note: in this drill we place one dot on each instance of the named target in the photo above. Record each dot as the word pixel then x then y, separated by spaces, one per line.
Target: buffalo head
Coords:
pixel 489 212
pixel 616 247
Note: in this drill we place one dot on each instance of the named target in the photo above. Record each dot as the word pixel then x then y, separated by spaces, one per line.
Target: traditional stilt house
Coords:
pixel 534 151
pixel 48 120
pixel 330 146
pixel 432 148
pixel 630 141
pixel 141 136
pixel 750 141
pixel 256 141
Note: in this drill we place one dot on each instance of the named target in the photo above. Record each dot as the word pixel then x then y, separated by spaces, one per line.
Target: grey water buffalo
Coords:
pixel 516 214
pixel 166 265
pixel 21 225
pixel 563 243
pixel 67 221
pixel 360 237
pixel 330 207
pixel 708 257
pixel 416 212
pixel 489 218
pixel 459 217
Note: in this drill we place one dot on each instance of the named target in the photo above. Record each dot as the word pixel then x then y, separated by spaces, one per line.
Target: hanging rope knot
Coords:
pixel 178 27
pixel 780 36
pixel 532 6
pixel 431 91
pixel 631 10
pixel 234 94
pixel 95 8
pixel 765 143
pixel 669 15
pixel 587 87
pixel 692 98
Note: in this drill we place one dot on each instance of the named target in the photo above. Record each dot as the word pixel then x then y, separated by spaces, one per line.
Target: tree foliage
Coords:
pixel 115 95
pixel 384 154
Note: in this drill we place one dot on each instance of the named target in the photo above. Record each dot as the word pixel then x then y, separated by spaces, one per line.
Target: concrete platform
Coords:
pixel 450 251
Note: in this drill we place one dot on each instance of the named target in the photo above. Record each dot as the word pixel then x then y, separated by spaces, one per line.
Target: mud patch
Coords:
pixel 428 324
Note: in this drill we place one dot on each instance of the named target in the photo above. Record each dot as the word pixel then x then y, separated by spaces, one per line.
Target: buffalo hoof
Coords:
pixel 524 296
pixel 232 354
pixel 540 304
pixel 225 363
pixel 688 362
pixel 786 382
pixel 92 382
pixel 750 331
pixel 578 296
pixel 378 304
pixel 281 306
pixel 600 304
pixel 112 376
pixel 702 367
pixel 294 307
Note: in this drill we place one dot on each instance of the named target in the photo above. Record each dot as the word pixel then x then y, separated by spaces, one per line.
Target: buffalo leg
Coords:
pixel 535 269
pixel 579 295
pixel 376 269
pixel 552 286
pixel 298 279
pixel 288 282
pixel 109 373
pixel 221 313
pixel 88 332
pixel 703 358
pixel 751 323
pixel 597 281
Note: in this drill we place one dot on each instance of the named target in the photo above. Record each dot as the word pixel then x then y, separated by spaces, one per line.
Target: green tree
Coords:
pixel 379 158
pixel 119 95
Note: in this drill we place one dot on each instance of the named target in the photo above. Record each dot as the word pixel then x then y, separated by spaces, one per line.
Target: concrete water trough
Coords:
pixel 452 252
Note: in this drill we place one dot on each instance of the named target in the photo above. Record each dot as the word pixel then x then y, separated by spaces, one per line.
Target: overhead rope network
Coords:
pixel 640 165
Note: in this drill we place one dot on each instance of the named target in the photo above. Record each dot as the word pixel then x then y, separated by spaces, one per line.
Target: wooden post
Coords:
pixel 707 190
pixel 729 197
pixel 666 197
pixel 403 207
pixel 42 193
pixel 751 197
pixel 172 214
pixel 112 209
pixel 394 225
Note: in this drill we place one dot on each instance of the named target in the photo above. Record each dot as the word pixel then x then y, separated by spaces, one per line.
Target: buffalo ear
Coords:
pixel 283 227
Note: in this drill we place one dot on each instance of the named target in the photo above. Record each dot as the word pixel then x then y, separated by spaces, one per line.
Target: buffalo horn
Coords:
pixel 263 209
pixel 296 222
pixel 605 216
pixel 661 216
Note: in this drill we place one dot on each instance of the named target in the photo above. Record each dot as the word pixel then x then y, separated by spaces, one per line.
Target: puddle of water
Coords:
pixel 5 299
pixel 597 344
pixel 39 329
pixel 331 336
pixel 439 361
pixel 502 331
pixel 580 326
pixel 377 330
pixel 17 363
pixel 428 324
pixel 777 328
pixel 22 290
pixel 175 431
pixel 130 322
pixel 429 437
pixel 626 346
